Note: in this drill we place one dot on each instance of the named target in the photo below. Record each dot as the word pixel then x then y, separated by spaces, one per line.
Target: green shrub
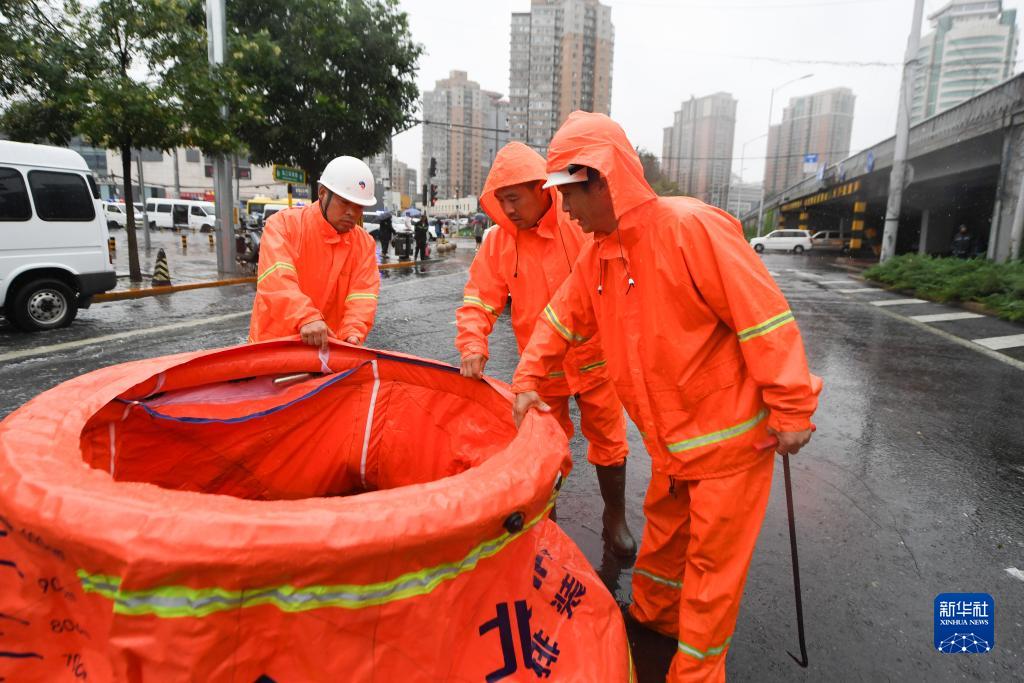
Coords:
pixel 999 286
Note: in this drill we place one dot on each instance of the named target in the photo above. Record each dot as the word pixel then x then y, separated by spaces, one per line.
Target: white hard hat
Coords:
pixel 350 179
pixel 572 174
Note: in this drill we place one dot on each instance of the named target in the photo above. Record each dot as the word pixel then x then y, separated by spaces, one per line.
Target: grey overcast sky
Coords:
pixel 667 50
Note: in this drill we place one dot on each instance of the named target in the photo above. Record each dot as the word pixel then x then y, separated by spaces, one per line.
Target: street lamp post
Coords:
pixel 764 182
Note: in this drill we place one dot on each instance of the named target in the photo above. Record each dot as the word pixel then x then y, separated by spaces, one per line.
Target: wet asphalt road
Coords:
pixel 912 486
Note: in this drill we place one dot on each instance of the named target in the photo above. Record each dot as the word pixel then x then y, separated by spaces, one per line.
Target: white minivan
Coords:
pixel 796 241
pixel 53 236
pixel 179 213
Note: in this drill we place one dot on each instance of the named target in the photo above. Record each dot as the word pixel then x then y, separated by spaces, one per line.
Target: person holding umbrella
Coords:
pixel 704 353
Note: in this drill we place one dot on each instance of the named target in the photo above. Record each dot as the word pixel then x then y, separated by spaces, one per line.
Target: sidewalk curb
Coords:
pixel 128 294
pixel 170 289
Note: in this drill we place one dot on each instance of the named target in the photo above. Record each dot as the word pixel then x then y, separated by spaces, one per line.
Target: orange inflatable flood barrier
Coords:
pixel 212 516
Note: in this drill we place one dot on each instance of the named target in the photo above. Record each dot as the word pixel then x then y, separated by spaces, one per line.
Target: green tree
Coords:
pixel 339 80
pixel 655 178
pixel 124 74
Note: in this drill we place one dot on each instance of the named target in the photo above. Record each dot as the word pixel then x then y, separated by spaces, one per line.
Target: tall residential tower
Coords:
pixel 815 131
pixel 697 148
pixel 561 61
pixel 971 48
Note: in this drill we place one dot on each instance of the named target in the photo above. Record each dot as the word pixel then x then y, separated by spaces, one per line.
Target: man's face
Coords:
pixel 342 214
pixel 590 205
pixel 524 204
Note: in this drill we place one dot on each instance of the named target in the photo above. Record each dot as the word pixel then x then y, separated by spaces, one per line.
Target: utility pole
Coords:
pixel 177 176
pixel 216 30
pixel 145 214
pixel 899 159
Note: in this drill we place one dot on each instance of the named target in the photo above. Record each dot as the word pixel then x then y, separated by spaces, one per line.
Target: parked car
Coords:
pixel 828 240
pixel 796 241
pixel 180 213
pixel 53 255
pixel 115 215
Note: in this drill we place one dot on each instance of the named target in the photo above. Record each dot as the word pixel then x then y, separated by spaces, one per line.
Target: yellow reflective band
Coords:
pixel 561 329
pixel 593 366
pixel 716 437
pixel 361 295
pixel 701 654
pixel 678 585
pixel 476 301
pixel 556 374
pixel 271 269
pixel 183 601
pixel 767 326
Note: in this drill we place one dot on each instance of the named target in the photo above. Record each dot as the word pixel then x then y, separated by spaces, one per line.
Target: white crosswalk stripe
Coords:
pixel 1010 341
pixel 898 302
pixel 945 317
pixel 857 290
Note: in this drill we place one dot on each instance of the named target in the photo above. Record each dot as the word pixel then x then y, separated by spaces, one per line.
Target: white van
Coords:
pixel 115 215
pixel 53 249
pixel 179 213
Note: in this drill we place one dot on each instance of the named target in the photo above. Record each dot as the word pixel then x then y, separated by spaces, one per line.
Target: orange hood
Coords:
pixel 596 141
pixel 514 164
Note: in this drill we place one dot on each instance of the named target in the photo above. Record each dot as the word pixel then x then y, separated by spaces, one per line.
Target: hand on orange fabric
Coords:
pixel 524 402
pixel 353 340
pixel 473 365
pixel 790 443
pixel 315 333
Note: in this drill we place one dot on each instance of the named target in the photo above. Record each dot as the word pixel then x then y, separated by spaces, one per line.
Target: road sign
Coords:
pixel 870 163
pixel 286 174
pixel 810 163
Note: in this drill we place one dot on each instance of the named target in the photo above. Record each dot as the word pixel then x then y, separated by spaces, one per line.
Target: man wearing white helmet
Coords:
pixel 318 273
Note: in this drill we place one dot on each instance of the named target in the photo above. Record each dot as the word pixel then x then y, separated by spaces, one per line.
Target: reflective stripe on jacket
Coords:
pixel 308 271
pixel 703 348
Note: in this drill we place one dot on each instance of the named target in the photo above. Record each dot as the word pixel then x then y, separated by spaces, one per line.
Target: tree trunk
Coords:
pixel 134 272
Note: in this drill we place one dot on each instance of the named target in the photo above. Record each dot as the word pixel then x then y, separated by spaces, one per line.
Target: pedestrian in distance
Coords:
pixel 962 243
pixel 318 274
pixel 478 232
pixel 420 235
pixel 529 255
pixel 705 355
pixel 386 232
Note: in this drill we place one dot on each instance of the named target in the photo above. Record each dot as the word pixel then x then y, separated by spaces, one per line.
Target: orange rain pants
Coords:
pixel 309 272
pixel 530 265
pixel 705 355
pixel 694 555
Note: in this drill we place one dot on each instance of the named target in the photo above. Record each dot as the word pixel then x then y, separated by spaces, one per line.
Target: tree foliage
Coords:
pixel 340 79
pixel 654 176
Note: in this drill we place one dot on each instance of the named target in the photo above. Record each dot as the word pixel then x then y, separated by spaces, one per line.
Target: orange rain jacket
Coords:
pixel 530 265
pixel 702 347
pixel 308 272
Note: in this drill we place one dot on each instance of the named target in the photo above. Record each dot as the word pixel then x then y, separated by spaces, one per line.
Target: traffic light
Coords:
pixel 433 194
pixel 433 167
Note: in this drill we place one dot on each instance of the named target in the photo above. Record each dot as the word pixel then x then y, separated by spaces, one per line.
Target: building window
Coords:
pixel 151 155
pixel 192 156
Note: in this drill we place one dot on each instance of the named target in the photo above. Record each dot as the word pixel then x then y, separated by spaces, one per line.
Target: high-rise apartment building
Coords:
pixel 743 197
pixel 815 131
pixel 463 130
pixel 972 47
pixel 561 61
pixel 696 152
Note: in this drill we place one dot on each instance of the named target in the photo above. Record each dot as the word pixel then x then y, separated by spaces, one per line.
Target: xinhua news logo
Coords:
pixel 965 623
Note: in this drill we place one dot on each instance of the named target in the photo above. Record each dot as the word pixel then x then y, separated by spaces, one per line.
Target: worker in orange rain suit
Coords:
pixel 318 273
pixel 708 361
pixel 528 256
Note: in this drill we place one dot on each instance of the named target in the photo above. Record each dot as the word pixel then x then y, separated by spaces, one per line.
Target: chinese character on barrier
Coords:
pixel 539 652
pixel 539 572
pixel 569 595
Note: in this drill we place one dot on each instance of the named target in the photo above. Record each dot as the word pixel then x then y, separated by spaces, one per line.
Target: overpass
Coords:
pixel 966 166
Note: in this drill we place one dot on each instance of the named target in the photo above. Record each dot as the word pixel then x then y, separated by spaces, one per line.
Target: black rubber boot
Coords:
pixel 613 490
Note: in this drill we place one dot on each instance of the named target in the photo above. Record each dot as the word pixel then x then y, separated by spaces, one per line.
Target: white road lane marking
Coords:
pixel 79 343
pixel 966 343
pixel 857 290
pixel 1010 341
pixel 945 317
pixel 773 273
pixel 836 282
pixel 898 302
pixel 1015 573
